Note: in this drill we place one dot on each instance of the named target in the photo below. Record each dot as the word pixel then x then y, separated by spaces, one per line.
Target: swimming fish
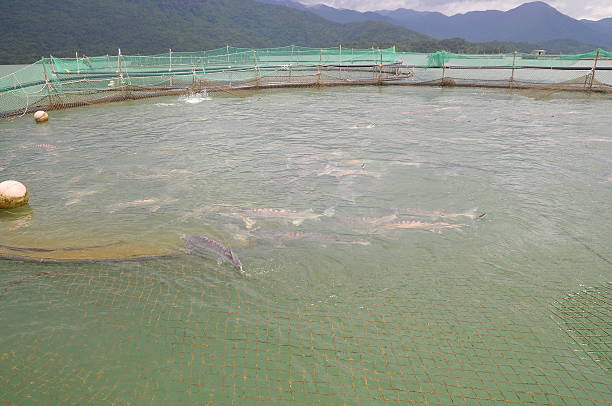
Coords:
pixel 419 225
pixel 340 172
pixel 307 236
pixel 402 163
pixel 370 221
pixel 78 195
pixel 137 203
pixel 198 243
pixel 296 217
pixel 436 213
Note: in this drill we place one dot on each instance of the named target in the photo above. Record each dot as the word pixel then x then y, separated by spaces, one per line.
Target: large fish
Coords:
pixel 419 225
pixel 369 221
pixel 296 217
pixel 437 213
pixel 198 243
pixel 154 204
pixel 337 172
pixel 307 236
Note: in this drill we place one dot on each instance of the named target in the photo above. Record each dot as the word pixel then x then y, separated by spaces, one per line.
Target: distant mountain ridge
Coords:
pixel 534 22
pixel 98 27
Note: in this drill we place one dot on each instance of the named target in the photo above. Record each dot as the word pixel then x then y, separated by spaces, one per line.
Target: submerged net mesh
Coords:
pixel 54 83
pixel 586 316
pixel 178 336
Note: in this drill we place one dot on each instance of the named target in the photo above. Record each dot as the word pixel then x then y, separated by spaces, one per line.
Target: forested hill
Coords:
pixel 30 29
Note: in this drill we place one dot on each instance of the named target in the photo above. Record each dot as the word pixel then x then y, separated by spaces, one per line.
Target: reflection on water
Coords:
pixel 13 219
pixel 398 245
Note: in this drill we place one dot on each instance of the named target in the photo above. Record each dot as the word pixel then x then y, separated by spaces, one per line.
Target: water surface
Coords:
pixel 343 308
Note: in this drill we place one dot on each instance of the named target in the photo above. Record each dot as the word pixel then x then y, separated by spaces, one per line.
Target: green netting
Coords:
pixel 53 83
pixel 518 60
pixel 223 58
pixel 63 82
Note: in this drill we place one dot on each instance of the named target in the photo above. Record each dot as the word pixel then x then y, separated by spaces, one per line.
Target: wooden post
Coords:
pixel 592 78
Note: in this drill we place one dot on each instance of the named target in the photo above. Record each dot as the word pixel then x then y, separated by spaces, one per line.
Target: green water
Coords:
pixel 459 311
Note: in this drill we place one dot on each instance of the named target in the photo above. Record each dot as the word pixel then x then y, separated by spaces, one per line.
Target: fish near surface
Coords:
pixel 370 221
pixel 437 213
pixel 45 146
pixel 419 225
pixel 308 236
pixel 154 204
pixel 296 217
pixel 199 243
pixel 337 172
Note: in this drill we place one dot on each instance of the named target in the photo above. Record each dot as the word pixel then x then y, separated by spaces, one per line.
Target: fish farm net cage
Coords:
pixel 56 83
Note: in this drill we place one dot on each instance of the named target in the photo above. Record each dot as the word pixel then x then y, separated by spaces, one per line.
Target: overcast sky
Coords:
pixel 590 9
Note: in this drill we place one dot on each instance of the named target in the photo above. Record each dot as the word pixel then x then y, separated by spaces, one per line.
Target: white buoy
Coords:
pixel 41 116
pixel 13 194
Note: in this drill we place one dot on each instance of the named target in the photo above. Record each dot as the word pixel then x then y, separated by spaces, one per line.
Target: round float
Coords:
pixel 13 194
pixel 41 116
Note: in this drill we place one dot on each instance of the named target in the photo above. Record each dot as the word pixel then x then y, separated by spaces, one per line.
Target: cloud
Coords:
pixel 590 9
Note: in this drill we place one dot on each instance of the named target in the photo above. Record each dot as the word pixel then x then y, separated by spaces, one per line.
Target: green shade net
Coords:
pixel 53 83
pixel 517 60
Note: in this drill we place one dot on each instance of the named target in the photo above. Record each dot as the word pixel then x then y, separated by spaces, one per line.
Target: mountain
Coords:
pixel 347 16
pixel 535 22
pixel 98 27
pixel 286 3
pixel 602 26
pixel 333 14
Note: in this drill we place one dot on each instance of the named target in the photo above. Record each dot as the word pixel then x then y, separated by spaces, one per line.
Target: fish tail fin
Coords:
pixel 297 222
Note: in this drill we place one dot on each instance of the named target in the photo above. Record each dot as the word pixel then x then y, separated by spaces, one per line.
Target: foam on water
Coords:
pixel 195 98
